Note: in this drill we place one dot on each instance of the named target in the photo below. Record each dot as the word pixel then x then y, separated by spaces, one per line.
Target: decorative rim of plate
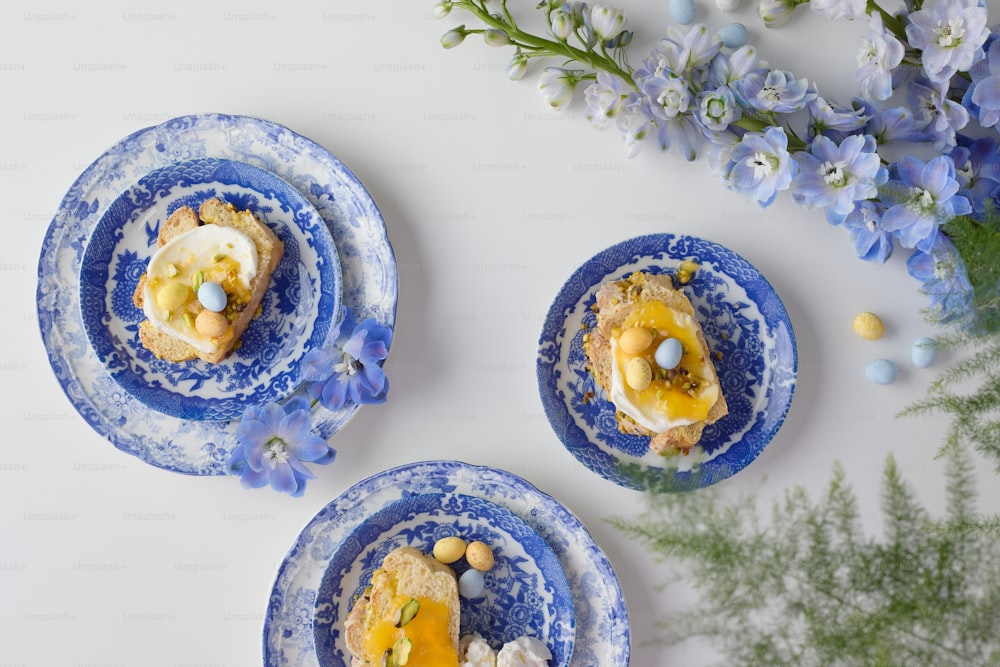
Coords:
pixel 196 389
pixel 740 300
pixel 528 562
pixel 370 276
pixel 602 620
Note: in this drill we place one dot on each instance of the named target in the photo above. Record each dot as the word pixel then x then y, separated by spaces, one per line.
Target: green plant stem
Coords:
pixel 888 20
pixel 536 43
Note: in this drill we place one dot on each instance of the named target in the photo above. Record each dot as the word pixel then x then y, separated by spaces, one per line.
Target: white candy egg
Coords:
pixel 668 353
pixel 212 296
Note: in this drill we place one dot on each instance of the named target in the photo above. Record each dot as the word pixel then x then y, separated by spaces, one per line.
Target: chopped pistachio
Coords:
pixel 407 612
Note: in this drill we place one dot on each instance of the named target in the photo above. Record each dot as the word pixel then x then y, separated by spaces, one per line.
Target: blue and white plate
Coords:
pixel 368 266
pixel 295 315
pixel 301 598
pixel 526 590
pixel 743 320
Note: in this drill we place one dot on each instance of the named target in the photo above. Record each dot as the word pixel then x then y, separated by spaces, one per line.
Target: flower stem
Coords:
pixel 535 43
pixel 888 20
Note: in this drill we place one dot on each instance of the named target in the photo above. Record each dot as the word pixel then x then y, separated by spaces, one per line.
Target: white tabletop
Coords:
pixel 491 201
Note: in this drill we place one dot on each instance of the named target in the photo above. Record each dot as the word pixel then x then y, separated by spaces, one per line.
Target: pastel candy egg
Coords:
pixel 212 296
pixel 668 353
pixel 471 584
pixel 727 5
pixel 210 323
pixel 869 326
pixel 449 549
pixel 733 35
pixel 924 352
pixel 479 556
pixel 881 371
pixel 635 340
pixel 682 11
pixel 638 374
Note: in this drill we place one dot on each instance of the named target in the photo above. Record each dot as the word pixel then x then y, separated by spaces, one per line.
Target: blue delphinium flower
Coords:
pixel 943 279
pixel 760 166
pixel 833 177
pixel 950 35
pixel 982 98
pixel 977 169
pixel 607 98
pixel 351 370
pixel 879 55
pixel 833 120
pixel 920 197
pixel 727 68
pixel 607 22
pixel 717 109
pixel 556 85
pixel 871 242
pixel 935 113
pixel 275 442
pixel 895 124
pixel 775 91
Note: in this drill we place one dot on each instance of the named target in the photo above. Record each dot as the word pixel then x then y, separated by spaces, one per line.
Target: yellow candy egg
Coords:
pixel 869 326
pixel 638 373
pixel 173 295
pixel 479 556
pixel 635 340
pixel 449 549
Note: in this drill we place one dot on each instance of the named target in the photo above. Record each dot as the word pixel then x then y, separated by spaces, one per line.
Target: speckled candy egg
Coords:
pixel 668 353
pixel 881 371
pixel 733 35
pixel 212 296
pixel 869 326
pixel 471 584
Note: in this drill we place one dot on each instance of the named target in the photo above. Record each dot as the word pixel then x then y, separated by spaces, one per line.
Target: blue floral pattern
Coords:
pixel 296 313
pixel 526 590
pixel 745 325
pixel 368 264
pixel 306 585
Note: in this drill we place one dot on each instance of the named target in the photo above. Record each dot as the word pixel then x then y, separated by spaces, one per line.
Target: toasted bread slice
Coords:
pixel 378 620
pixel 615 302
pixel 269 251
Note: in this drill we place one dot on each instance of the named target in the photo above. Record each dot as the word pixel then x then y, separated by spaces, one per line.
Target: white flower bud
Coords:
pixel 606 22
pixel 517 66
pixel 453 37
pixel 442 9
pixel 495 37
pixel 562 24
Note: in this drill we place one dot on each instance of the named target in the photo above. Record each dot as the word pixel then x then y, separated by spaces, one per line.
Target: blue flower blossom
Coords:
pixel 607 98
pixel 275 442
pixel 350 372
pixel 977 169
pixel 775 91
pixel 950 35
pixel 982 98
pixel 921 197
pixel 668 95
pixel 760 166
pixel 725 69
pixel 833 177
pixel 556 85
pixel 943 278
pixel 606 22
pixel 833 120
pixel 879 55
pixel 775 13
pixel 935 113
pixel 895 124
pixel 872 243
pixel 717 109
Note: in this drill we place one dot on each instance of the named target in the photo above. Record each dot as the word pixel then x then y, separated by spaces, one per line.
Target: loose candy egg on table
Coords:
pixel 668 353
pixel 869 326
pixel 924 352
pixel 682 11
pixel 881 371
pixel 212 296
pixel 471 583
pixel 733 35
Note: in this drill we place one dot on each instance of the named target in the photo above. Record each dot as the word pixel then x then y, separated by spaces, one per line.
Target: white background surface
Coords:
pixel 491 202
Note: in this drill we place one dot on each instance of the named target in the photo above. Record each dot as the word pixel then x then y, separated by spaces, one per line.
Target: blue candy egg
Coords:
pixel 682 11
pixel 733 35
pixel 881 371
pixel 471 584
pixel 668 353
pixel 925 352
pixel 212 296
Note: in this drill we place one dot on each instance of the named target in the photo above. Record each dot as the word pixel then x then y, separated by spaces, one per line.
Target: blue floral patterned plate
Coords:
pixel 744 322
pixel 526 590
pixel 368 267
pixel 303 295
pixel 307 601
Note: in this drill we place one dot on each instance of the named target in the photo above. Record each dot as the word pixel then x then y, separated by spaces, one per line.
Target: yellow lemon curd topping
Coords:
pixel 427 631
pixel 673 397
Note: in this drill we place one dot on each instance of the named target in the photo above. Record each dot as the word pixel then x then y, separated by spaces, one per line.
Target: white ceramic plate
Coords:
pixel 370 280
pixel 744 322
pixel 526 590
pixel 602 622
pixel 296 312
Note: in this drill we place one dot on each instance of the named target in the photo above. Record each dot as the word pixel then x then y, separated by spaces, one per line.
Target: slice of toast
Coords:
pixel 377 619
pixel 269 252
pixel 615 302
